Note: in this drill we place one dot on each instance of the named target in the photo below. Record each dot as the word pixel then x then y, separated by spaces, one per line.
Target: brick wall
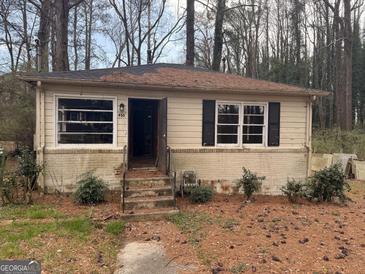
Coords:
pixel 222 169
pixel 65 167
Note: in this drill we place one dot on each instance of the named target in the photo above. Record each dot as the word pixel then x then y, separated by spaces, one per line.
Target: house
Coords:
pixel 213 124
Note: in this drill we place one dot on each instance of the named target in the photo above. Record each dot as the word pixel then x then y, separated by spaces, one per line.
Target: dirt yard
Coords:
pixel 226 235
pixel 269 235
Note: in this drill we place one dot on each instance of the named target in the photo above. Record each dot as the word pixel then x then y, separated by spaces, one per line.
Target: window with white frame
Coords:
pixel 85 121
pixel 240 123
pixel 253 124
pixel 228 120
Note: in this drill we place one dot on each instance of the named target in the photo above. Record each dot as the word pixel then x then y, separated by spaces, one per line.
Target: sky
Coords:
pixel 173 53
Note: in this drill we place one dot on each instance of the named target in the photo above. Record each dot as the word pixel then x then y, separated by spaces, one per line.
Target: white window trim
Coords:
pixel 240 124
pixel 86 96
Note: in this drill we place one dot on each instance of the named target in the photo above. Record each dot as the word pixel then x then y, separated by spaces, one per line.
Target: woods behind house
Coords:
pixel 317 44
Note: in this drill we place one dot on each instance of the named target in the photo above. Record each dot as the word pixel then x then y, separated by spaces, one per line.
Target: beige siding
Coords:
pixel 184 132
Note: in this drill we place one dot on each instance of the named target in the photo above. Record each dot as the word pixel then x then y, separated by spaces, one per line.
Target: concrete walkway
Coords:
pixel 145 258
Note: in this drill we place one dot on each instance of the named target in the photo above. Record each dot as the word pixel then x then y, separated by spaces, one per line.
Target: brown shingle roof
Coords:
pixel 169 76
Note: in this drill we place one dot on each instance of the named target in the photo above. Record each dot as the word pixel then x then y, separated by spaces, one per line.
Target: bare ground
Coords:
pixel 269 235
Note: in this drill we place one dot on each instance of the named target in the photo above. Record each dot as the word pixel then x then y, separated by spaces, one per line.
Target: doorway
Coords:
pixel 143 132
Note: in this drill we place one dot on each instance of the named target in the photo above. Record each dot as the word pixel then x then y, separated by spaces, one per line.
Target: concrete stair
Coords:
pixel 147 198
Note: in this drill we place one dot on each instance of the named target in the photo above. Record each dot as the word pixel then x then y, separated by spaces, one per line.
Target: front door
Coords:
pixel 142 143
pixel 162 136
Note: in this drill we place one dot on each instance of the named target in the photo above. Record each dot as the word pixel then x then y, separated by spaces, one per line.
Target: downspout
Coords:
pixel 309 133
pixel 40 132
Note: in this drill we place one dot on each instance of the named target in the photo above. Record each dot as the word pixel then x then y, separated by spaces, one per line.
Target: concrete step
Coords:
pixel 148 192
pixel 147 182
pixel 149 214
pixel 148 202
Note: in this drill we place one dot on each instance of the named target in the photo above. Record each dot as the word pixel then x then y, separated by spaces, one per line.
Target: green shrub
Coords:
pixel 293 190
pixel 91 190
pixel 327 184
pixel 250 182
pixel 201 194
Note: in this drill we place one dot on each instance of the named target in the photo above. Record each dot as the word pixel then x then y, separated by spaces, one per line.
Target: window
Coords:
pixel 85 121
pixel 253 124
pixel 241 124
pixel 228 123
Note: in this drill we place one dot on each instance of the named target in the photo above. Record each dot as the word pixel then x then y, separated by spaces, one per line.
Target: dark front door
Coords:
pixel 162 135
pixel 143 132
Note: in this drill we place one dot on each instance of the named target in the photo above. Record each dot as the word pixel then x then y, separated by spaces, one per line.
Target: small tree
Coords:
pixel 250 182
pixel 29 171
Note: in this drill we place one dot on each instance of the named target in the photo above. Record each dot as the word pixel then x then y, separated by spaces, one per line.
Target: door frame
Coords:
pixel 129 121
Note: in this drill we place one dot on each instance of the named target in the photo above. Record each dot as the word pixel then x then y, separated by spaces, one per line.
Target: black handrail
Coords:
pixel 124 173
pixel 168 160
pixel 172 175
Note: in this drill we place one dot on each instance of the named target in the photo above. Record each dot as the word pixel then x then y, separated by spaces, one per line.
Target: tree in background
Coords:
pixel 190 32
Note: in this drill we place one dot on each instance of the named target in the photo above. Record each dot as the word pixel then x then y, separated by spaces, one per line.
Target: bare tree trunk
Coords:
pixel 218 35
pixel 61 33
pixel 347 119
pixel 88 30
pixel 44 35
pixel 75 40
pixel 190 43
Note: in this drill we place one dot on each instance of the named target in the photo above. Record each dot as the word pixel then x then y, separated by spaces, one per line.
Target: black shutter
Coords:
pixel 208 123
pixel 274 124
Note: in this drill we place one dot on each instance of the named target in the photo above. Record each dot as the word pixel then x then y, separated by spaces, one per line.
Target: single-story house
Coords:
pixel 213 124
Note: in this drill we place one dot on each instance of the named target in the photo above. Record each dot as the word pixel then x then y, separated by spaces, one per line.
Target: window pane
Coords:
pixel 65 115
pixel 253 109
pixel 85 104
pixel 227 139
pixel 227 129
pixel 256 119
pixel 85 138
pixel 252 129
pixel 88 127
pixel 231 109
pixel 227 119
pixel 252 139
pixel 85 121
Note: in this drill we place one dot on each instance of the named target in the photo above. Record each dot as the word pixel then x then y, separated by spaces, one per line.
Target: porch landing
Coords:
pixel 148 194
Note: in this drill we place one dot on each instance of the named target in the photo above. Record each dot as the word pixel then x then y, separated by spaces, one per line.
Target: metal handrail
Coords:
pixel 171 174
pixel 168 160
pixel 124 173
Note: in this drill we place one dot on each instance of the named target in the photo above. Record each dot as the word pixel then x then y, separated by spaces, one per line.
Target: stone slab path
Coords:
pixel 145 258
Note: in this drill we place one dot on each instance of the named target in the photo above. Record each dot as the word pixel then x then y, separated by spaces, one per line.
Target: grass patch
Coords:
pixel 339 141
pixel 206 258
pixel 191 224
pixel 11 235
pixel 230 223
pixel 28 212
pixel 239 268
pixel 77 226
pixel 115 227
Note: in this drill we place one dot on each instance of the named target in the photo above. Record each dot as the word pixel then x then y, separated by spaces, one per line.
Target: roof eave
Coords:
pixel 304 92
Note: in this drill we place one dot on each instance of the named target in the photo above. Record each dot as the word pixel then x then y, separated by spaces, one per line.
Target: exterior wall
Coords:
pixel 221 168
pixel 64 166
